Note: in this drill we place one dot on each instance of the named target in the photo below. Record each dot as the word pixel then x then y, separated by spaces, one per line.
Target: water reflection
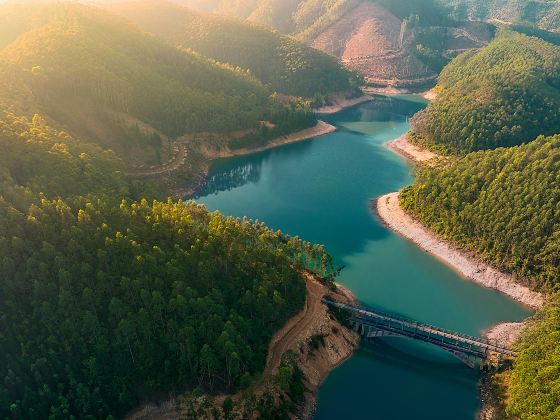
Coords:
pixel 229 179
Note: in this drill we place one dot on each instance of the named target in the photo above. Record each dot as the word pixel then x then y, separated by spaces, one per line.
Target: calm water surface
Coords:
pixel 320 190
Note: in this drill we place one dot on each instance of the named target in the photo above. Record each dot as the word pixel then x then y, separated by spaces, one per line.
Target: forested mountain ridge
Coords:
pixel 278 61
pixel 399 43
pixel 105 304
pixel 503 95
pixel 108 305
pixel 106 299
pixel 543 13
pixel 121 79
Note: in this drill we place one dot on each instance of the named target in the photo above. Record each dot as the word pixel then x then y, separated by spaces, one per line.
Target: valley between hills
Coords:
pixel 122 297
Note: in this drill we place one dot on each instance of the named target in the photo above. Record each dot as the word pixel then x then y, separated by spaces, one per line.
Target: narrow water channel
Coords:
pixel 320 190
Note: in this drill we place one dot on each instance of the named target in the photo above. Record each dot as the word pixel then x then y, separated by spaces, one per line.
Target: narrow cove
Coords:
pixel 320 190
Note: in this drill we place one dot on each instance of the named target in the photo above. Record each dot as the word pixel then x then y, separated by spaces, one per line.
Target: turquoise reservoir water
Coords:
pixel 320 190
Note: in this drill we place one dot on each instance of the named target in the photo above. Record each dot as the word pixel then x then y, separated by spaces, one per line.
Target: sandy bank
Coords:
pixel 341 103
pixel 391 213
pixel 505 334
pixel 410 151
pixel 430 95
pixel 320 129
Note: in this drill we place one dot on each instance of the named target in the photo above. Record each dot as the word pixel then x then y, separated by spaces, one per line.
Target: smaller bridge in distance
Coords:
pixel 371 324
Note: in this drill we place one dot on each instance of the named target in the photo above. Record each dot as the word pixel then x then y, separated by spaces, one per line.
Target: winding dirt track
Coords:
pixel 179 157
pixel 289 336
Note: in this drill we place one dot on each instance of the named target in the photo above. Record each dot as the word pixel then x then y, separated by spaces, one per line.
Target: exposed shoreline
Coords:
pixel 320 129
pixel 394 217
pixel 338 344
pixel 406 149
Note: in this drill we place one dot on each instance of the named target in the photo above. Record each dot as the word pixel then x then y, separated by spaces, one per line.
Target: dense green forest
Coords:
pixel 108 299
pixel 105 302
pixel 502 95
pixel 502 204
pixel 104 305
pixel 278 61
pixel 534 386
pixel 123 89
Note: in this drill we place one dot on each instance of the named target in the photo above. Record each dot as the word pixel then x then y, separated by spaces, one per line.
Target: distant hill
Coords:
pixel 503 95
pixel 543 13
pixel 404 43
pixel 108 82
pixel 280 62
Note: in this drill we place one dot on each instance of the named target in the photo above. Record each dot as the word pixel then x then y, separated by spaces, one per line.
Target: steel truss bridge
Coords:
pixel 371 324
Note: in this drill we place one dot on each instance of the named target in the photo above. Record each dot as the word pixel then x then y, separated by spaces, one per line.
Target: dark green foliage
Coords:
pixel 502 204
pixel 534 386
pixel 280 62
pixel 316 342
pixel 102 306
pixel 503 95
pixel 286 120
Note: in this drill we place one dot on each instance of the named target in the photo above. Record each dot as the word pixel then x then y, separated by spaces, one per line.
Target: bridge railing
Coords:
pixel 373 313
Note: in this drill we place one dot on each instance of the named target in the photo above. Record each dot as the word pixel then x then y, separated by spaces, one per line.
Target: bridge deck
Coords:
pixel 405 327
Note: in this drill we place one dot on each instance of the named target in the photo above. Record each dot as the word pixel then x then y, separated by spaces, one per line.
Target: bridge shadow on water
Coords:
pixel 418 358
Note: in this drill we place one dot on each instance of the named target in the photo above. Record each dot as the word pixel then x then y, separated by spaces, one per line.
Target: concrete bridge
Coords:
pixel 371 324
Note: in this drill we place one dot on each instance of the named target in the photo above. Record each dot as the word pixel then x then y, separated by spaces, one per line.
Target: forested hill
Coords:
pixel 504 205
pixel 503 95
pixel 281 63
pixel 402 43
pixel 104 306
pixel 106 302
pixel 288 16
pixel 102 78
pixel 544 13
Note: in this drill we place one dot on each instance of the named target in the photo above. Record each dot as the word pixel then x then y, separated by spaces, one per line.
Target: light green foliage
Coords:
pixel 502 95
pixel 36 158
pixel 87 69
pixel 278 61
pixel 502 204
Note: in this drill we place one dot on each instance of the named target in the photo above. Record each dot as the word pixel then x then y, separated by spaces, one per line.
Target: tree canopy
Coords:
pixel 503 204
pixel 502 95
pixel 278 61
